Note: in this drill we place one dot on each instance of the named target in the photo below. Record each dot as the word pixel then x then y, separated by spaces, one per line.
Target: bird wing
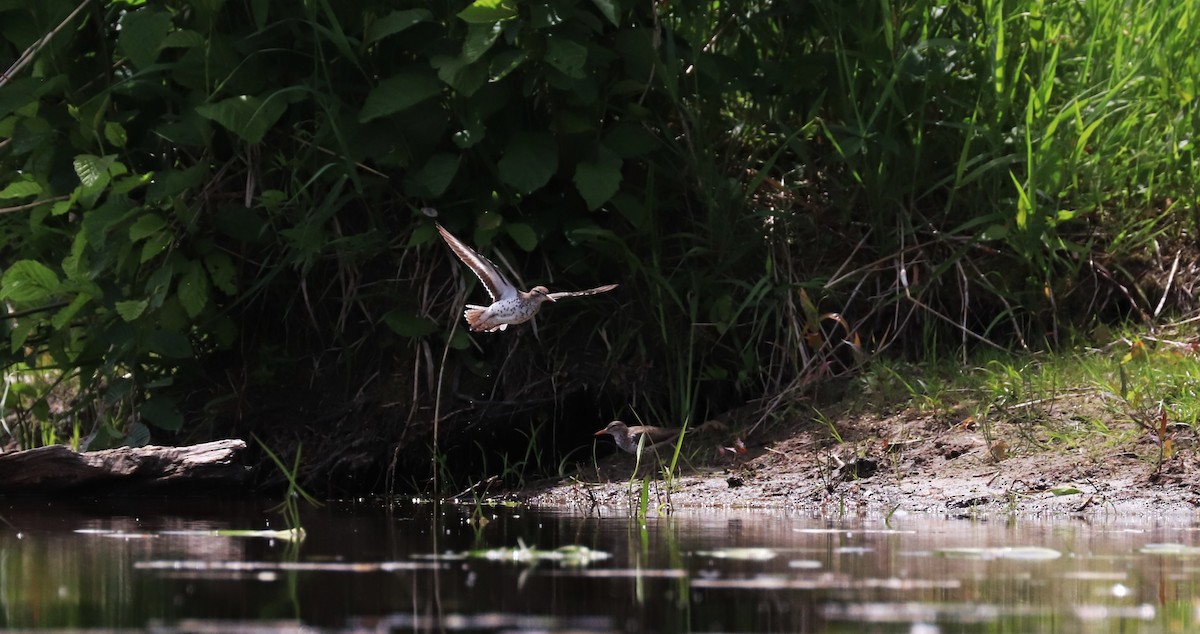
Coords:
pixel 497 285
pixel 591 291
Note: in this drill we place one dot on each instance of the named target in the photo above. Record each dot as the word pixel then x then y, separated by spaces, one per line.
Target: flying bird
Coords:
pixel 509 306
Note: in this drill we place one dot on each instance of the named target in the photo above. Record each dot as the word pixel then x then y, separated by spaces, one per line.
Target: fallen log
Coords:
pixel 57 468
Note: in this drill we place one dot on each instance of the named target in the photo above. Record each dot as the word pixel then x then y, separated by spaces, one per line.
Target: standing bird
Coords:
pixel 627 437
pixel 509 306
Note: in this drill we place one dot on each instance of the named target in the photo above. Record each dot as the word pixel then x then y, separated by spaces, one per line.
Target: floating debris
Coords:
pixel 1025 553
pixel 742 554
pixel 565 555
pixel 1169 549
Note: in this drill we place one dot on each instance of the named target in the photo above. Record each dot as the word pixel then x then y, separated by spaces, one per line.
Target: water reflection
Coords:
pixel 368 567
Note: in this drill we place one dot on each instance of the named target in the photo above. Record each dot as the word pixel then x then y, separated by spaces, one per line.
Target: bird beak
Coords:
pixel 601 432
pixel 551 298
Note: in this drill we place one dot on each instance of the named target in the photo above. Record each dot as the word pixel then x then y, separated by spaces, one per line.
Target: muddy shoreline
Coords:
pixel 903 463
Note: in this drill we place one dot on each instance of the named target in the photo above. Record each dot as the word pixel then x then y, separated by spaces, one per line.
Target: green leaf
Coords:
pixel 169 344
pixel 20 189
pixel 21 332
pixel 161 412
pixel 183 38
pixel 409 325
pixel 130 183
pixel 145 226
pixel 28 282
pixel 994 232
pixel 130 310
pixel 523 235
pixel 115 134
pixel 172 182
pixel 437 174
pixel 598 181
pixel 529 161
pixel 246 115
pixel 609 9
pixel 480 38
pixel 399 92
pixel 75 264
pixel 464 78
pixel 138 436
pixel 142 34
pixel 505 62
pixel 155 245
pixel 395 22
pixel 159 283
pixel 93 170
pixel 63 317
pixel 222 272
pixel 566 56
pixel 482 11
pixel 193 290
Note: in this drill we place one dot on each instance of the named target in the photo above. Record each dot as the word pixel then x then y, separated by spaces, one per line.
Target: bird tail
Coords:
pixel 474 315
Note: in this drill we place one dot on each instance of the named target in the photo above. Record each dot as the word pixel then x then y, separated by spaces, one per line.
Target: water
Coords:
pixel 137 563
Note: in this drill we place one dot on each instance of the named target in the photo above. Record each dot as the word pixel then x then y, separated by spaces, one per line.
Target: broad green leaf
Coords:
pixel 399 92
pixel 609 9
pixel 20 332
pixel 480 37
pixel 161 412
pixel 93 170
pixel 130 183
pixel 598 181
pixel 114 133
pixel 130 310
pixel 138 436
pixel 529 161
pixel 472 132
pixel 156 245
pixel 222 272
pixel 183 38
pixel 464 78
pixel 63 317
pixel 20 189
pixel 505 62
pixel 28 282
pixel 145 226
pixel 438 173
pixel 523 235
pixel 75 264
pixel 18 94
pixel 142 34
pixel 566 56
pixel 172 182
pixel 994 232
pixel 395 22
pixel 482 11
pixel 409 325
pixel 169 344
pixel 159 283
pixel 246 116
pixel 193 290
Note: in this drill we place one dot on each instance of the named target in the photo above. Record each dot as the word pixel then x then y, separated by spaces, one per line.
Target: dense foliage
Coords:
pixel 213 210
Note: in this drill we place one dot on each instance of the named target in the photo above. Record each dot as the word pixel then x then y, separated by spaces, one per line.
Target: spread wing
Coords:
pixel 497 285
pixel 591 291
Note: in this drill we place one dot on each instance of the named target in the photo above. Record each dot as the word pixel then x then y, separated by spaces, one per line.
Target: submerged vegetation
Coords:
pixel 211 212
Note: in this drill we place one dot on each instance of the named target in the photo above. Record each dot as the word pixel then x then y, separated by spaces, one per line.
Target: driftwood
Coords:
pixel 213 465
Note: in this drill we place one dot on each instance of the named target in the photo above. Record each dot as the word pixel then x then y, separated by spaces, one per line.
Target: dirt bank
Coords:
pixel 908 462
